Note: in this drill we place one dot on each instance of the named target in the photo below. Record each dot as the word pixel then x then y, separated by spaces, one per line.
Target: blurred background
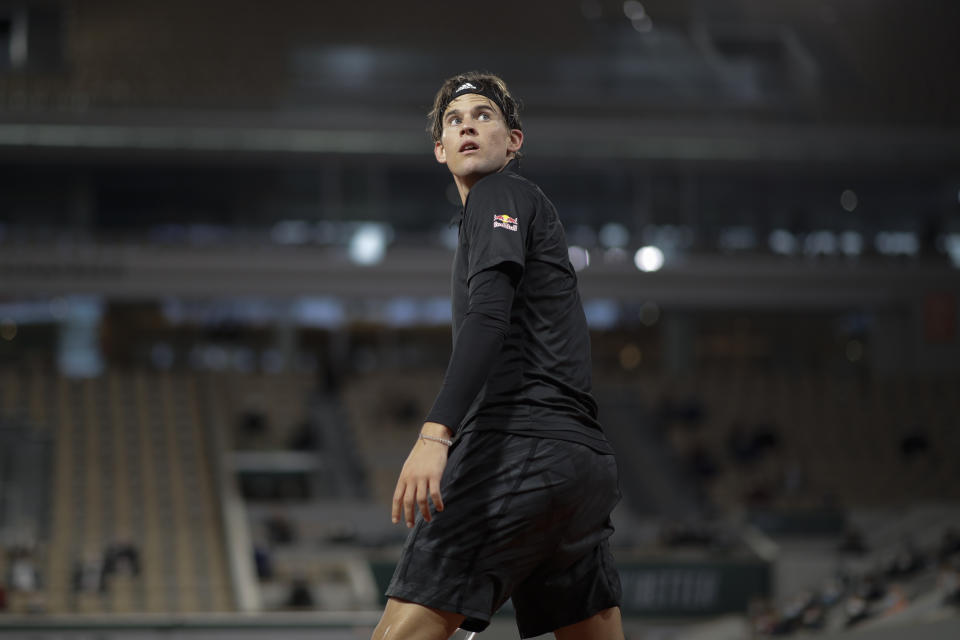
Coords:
pixel 225 252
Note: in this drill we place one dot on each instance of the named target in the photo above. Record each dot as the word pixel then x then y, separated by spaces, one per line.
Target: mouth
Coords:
pixel 468 146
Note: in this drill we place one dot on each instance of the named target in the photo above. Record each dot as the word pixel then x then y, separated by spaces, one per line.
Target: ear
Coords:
pixel 515 141
pixel 440 152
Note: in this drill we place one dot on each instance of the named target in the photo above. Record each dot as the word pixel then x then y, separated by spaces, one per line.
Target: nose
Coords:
pixel 467 128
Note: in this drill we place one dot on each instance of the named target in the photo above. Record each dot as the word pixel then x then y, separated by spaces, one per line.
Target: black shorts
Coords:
pixel 524 517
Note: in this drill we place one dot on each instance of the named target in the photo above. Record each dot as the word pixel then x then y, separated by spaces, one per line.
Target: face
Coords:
pixel 476 140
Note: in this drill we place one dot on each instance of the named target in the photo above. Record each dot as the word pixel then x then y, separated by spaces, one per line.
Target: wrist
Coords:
pixel 436 430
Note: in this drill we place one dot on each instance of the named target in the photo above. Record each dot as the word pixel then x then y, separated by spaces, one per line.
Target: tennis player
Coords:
pixel 509 487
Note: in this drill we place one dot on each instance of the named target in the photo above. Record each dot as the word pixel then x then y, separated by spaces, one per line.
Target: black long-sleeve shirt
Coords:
pixel 521 355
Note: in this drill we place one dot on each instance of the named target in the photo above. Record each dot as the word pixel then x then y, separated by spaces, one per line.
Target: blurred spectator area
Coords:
pixel 806 440
pixel 268 411
pixel 906 576
pixel 134 521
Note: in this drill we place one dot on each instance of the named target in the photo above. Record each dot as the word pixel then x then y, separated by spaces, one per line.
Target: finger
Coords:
pixel 435 494
pixel 408 508
pixel 422 500
pixel 395 506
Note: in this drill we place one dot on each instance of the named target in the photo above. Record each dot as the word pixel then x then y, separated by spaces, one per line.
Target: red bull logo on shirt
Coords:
pixel 504 221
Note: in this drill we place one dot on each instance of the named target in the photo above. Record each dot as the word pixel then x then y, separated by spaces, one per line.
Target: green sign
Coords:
pixel 703 587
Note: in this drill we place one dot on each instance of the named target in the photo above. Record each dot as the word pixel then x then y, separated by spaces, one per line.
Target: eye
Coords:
pixel 453 120
pixel 483 116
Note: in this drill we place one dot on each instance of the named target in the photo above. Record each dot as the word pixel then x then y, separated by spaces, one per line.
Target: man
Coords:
pixel 521 507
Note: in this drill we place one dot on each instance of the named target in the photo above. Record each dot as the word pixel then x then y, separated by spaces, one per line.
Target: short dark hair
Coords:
pixel 489 83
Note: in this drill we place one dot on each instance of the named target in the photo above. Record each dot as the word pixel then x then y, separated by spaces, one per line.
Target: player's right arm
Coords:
pixel 479 340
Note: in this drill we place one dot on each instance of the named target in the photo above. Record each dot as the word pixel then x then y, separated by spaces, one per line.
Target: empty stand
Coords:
pixel 131 467
pixel 823 439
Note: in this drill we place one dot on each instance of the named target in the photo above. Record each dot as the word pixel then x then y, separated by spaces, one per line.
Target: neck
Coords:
pixel 465 183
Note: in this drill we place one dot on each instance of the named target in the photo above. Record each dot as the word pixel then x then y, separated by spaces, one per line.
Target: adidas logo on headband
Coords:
pixel 464 86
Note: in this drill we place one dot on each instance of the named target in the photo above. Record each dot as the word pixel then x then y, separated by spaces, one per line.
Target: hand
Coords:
pixel 420 476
